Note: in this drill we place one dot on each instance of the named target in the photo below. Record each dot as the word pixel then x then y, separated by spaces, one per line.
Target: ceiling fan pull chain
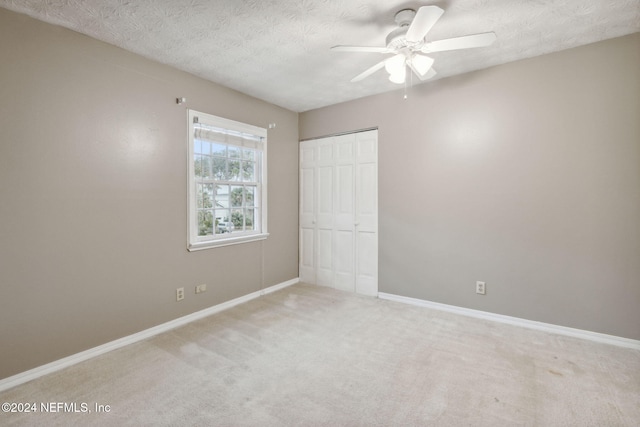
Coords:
pixel 405 85
pixel 410 84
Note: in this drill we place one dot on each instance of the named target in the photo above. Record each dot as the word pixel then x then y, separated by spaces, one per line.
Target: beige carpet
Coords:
pixel 314 356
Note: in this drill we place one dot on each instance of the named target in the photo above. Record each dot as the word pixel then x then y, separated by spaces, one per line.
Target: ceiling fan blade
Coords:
pixel 368 72
pixel 464 42
pixel 372 49
pixel 426 18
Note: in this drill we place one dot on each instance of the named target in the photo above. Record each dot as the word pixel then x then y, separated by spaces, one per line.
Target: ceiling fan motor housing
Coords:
pixel 404 17
pixel 397 38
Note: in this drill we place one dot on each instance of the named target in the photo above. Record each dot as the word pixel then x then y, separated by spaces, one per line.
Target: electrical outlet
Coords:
pixel 201 288
pixel 480 288
pixel 179 294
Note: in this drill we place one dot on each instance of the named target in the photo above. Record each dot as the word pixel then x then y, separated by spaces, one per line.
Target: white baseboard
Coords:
pixel 531 324
pixel 57 365
pixel 279 286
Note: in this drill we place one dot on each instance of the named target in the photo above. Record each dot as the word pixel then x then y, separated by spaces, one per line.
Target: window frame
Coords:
pixel 196 242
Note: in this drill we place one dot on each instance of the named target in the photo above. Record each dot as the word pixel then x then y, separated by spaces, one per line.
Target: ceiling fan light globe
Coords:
pixel 395 64
pixel 399 76
pixel 421 64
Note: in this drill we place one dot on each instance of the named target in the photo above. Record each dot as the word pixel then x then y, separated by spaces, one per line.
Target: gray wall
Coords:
pixel 526 176
pixel 93 195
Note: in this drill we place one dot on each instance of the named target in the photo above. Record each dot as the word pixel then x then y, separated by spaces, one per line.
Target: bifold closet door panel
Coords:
pixel 307 269
pixel 344 213
pixel 366 212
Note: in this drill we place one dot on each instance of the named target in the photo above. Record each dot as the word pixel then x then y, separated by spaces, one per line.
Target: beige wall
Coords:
pixel 93 195
pixel 526 176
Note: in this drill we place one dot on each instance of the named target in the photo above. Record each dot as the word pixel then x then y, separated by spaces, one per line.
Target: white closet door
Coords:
pixel 344 214
pixel 307 211
pixel 339 212
pixel 324 212
pixel 366 215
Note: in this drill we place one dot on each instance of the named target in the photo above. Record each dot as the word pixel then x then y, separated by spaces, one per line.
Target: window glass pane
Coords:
pixel 249 219
pixel 248 171
pixel 222 196
pixel 206 147
pixel 197 165
pixel 237 218
pixel 207 196
pixel 219 168
pixel 219 150
pixel 201 229
pixel 205 164
pixel 223 223
pixel 233 170
pixel 248 154
pixel 197 146
pixel 236 196
pixel 199 199
pixel 205 223
pixel 249 195
pixel 200 222
pixel 234 152
pixel 222 215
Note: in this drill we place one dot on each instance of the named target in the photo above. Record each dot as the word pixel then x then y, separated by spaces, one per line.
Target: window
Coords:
pixel 227 182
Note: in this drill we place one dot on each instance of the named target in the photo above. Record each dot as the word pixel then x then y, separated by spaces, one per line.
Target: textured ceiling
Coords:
pixel 278 50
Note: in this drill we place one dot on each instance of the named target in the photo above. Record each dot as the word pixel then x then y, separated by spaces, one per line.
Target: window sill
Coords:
pixel 209 244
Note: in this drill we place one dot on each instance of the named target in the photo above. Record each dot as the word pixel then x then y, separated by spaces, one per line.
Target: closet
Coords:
pixel 339 212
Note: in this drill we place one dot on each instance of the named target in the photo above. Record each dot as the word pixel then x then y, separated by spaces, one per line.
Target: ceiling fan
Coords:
pixel 408 45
